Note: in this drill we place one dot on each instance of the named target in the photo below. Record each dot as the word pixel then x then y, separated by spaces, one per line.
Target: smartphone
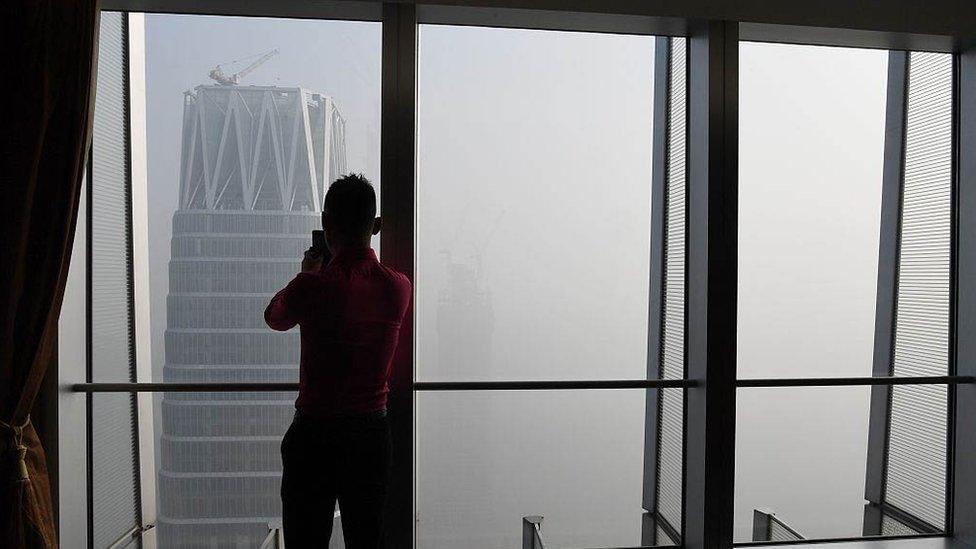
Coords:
pixel 319 247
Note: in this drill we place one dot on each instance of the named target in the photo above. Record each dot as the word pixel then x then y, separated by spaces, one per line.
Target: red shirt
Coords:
pixel 350 314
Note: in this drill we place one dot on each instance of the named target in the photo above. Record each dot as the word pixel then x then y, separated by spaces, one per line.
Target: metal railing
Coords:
pixel 766 526
pixel 126 539
pixel 275 539
pixel 276 535
pixel 531 533
pixel 417 386
pixel 532 385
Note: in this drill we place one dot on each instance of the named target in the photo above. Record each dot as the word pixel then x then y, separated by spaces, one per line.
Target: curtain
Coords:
pixel 48 63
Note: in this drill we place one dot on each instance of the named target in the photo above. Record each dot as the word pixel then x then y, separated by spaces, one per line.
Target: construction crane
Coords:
pixel 218 73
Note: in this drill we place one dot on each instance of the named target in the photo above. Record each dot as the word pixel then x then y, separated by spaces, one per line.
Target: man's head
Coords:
pixel 349 214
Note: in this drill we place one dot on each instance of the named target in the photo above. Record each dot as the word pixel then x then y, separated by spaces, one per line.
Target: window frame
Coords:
pixel 710 382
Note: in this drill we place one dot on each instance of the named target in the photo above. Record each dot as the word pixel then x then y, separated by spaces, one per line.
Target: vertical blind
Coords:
pixel 915 478
pixel 671 414
pixel 115 487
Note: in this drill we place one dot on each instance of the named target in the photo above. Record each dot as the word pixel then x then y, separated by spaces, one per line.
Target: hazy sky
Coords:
pixel 811 138
pixel 533 219
pixel 339 59
pixel 533 202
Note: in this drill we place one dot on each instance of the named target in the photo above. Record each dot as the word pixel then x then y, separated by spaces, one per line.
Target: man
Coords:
pixel 349 310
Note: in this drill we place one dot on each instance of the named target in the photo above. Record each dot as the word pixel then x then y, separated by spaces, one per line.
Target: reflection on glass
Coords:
pixel 533 204
pixel 485 460
pixel 249 120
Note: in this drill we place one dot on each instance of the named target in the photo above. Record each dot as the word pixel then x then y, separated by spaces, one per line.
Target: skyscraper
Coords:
pixel 255 164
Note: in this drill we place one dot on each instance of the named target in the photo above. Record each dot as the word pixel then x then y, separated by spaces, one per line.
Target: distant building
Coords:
pixel 255 164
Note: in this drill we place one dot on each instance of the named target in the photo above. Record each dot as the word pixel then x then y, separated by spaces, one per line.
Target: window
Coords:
pixel 845 237
pixel 231 130
pixel 533 224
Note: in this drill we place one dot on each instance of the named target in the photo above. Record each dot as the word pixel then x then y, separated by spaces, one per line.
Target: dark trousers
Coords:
pixel 345 459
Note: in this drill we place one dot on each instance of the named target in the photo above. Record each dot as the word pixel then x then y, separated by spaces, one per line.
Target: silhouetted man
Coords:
pixel 349 311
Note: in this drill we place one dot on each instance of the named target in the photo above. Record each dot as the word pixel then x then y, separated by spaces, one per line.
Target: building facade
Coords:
pixel 255 164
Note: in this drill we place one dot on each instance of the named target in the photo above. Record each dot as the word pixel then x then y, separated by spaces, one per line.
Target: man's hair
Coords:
pixel 351 202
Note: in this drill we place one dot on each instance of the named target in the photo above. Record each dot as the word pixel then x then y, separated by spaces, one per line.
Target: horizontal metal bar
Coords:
pixel 181 387
pixel 560 20
pixel 852 38
pixel 855 381
pixel 557 385
pixel 321 9
pixel 863 23
pixel 529 385
pixel 417 386
pixel 906 518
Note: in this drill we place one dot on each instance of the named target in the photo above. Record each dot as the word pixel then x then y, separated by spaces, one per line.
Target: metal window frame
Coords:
pixel 340 10
pixel 712 226
pixel 712 160
pixel 541 19
pixel 398 123
pixel 962 491
pixel 855 23
pixel 893 172
pixel 139 269
pixel 89 362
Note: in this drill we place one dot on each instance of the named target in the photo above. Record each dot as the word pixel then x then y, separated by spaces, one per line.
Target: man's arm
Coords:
pixel 287 307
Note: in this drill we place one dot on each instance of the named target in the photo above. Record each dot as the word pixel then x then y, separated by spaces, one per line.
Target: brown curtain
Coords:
pixel 45 125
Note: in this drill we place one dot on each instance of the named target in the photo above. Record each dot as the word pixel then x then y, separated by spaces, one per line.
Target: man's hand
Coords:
pixel 311 262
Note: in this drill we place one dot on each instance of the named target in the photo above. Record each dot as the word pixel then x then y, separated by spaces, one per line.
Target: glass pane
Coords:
pixel 248 120
pixel 807 463
pixel 533 204
pixel 219 466
pixel 811 148
pixel 485 460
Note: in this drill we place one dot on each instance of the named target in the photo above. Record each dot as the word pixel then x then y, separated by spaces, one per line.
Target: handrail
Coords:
pixel 269 541
pixel 417 386
pixel 531 536
pixel 127 537
pixel 763 521
pixel 275 538
pixel 544 385
pixel 531 385
pixel 855 381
